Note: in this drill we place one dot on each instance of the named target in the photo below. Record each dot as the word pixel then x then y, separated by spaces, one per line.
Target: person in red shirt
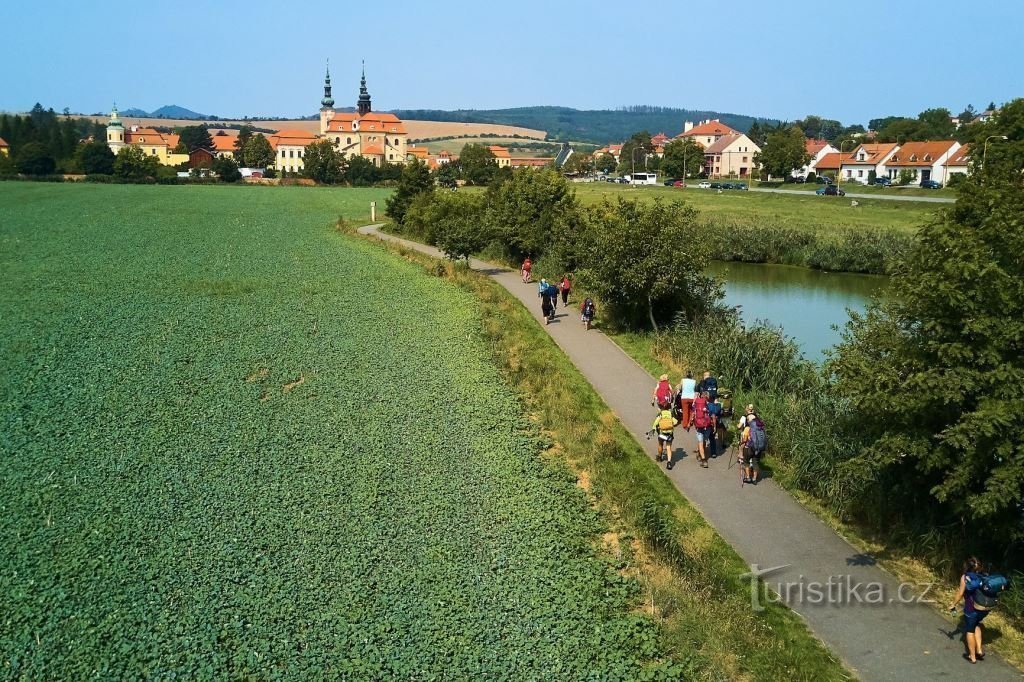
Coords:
pixel 565 286
pixel 527 267
pixel 662 396
pixel 702 420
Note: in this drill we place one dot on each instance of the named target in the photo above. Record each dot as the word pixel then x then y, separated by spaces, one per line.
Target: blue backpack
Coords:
pixel 987 587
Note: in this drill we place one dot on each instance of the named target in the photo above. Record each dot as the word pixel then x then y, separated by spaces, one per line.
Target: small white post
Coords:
pixel 373 211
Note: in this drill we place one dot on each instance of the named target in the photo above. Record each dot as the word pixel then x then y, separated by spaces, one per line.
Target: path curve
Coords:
pixel 765 525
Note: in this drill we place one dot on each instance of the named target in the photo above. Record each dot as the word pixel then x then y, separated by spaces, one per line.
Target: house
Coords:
pixel 380 137
pixel 818 149
pixel 224 145
pixel 563 154
pixel 659 141
pixel 5 148
pixel 290 148
pixel 865 158
pixel 501 156
pixel 958 162
pixel 613 150
pixel 151 142
pixel 420 153
pixel 706 133
pixel 201 158
pixel 730 155
pixel 920 161
pixel 984 116
pixel 830 164
pixel 532 162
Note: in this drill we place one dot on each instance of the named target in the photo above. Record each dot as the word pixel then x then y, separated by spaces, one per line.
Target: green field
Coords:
pixel 237 443
pixel 762 209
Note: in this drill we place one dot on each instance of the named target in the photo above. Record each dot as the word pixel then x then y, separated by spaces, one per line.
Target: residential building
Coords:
pixel 380 137
pixel 984 116
pixel 200 158
pixel 707 132
pixel 613 150
pixel 958 162
pixel 864 159
pixel 224 145
pixel 730 155
pixel 531 162
pixel 151 142
pixel 290 148
pixel 501 156
pixel 5 148
pixel 830 164
pixel 818 149
pixel 563 154
pixel 421 153
pixel 920 161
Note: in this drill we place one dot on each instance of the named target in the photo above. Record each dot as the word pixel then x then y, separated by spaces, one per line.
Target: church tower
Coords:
pixel 115 132
pixel 363 105
pixel 327 103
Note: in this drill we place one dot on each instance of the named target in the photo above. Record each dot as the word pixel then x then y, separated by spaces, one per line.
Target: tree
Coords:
pixel 35 159
pixel 458 225
pixel 605 163
pixel 532 211
pixel 478 164
pixel 361 172
pixel 245 134
pixel 757 134
pixel 684 158
pixel 257 152
pixel 635 152
pixel 783 151
pixel 446 175
pixel 967 115
pixel 131 163
pixel 195 137
pixel 8 167
pixel 582 164
pixel 947 351
pixel 226 169
pixel 648 259
pixel 322 163
pixel 96 158
pixel 415 180
pixel 935 124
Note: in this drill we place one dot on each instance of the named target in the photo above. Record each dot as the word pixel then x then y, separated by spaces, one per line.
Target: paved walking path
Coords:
pixel 860 195
pixel 767 526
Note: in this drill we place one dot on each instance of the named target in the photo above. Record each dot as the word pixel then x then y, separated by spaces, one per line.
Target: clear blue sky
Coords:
pixel 846 60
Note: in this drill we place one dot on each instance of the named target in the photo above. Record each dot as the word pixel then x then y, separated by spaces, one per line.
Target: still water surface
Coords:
pixel 805 303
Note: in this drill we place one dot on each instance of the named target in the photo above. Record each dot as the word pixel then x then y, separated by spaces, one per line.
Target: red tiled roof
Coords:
pixel 876 151
pixel 815 146
pixel 831 161
pixel 145 136
pixel 960 157
pixel 224 143
pixel 709 128
pixel 3 143
pixel 719 145
pixel 372 150
pixel 659 139
pixel 531 161
pixel 292 137
pixel 418 152
pixel 499 152
pixel 919 153
pixel 173 139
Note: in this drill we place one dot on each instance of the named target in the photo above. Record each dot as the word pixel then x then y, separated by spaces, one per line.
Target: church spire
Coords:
pixel 363 105
pixel 327 101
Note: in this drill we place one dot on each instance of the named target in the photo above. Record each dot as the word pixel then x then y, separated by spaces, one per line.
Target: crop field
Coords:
pixel 762 209
pixel 237 443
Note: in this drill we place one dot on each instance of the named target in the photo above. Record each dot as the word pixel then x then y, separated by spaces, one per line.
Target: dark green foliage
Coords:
pixel 96 158
pixel 458 225
pixel 683 159
pixel 477 165
pixel 245 133
pixel 226 169
pixel 195 137
pixel 257 152
pixel 132 164
pixel 204 475
pixel 361 172
pixel 605 163
pixel 35 159
pixel 321 162
pixel 414 181
pixel 637 152
pixel 783 151
pixel 532 211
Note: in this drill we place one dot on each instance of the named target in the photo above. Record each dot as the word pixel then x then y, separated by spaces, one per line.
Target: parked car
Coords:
pixel 716 185
pixel 739 185
pixel 823 180
pixel 883 182
pixel 670 183
pixel 610 180
pixel 931 184
pixel 622 181
pixel 799 179
pixel 727 185
pixel 679 183
pixel 704 185
pixel 830 191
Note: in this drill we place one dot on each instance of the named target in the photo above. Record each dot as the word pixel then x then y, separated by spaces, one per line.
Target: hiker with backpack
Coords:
pixel 664 426
pixel 587 312
pixel 565 286
pixel 527 267
pixel 687 392
pixel 753 442
pixel 717 420
pixel 708 384
pixel 980 592
pixel 662 396
pixel 702 422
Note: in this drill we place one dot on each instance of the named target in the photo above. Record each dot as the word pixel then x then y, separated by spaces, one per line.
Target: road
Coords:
pixel 858 195
pixel 898 639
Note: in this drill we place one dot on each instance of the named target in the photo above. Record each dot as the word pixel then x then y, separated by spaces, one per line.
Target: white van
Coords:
pixel 643 179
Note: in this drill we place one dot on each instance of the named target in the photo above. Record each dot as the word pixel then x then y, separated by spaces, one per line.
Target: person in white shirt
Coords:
pixel 687 392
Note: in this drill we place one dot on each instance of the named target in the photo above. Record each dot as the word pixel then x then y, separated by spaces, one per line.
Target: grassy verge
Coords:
pixel 920 560
pixel 689 575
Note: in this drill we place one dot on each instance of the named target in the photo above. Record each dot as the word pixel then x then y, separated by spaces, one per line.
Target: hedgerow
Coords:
pixel 234 443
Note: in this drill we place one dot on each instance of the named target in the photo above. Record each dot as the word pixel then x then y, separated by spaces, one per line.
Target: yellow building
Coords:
pixel 5 148
pixel 290 149
pixel 151 142
pixel 380 137
pixel 501 156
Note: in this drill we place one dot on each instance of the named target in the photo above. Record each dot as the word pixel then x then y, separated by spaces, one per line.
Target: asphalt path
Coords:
pixel 878 627
pixel 858 195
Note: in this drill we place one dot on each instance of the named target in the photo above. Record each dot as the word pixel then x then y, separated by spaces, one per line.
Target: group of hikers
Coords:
pixel 700 406
pixel 549 294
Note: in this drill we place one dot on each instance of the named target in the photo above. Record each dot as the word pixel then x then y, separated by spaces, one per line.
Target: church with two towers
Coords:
pixel 379 137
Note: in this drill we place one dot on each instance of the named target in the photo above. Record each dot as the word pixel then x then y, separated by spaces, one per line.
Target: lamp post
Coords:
pixel 839 173
pixel 984 151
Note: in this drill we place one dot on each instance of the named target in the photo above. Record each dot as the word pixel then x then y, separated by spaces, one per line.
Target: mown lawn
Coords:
pixel 237 443
pixel 812 212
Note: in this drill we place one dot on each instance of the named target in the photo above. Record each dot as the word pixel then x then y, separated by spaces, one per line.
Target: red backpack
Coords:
pixel 664 394
pixel 701 418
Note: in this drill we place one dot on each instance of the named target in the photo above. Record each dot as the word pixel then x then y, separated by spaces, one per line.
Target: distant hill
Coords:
pixel 139 113
pixel 600 126
pixel 174 111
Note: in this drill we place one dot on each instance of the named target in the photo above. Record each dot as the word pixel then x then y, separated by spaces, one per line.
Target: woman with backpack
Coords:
pixel 702 420
pixel 587 311
pixel 753 442
pixel 565 286
pixel 976 606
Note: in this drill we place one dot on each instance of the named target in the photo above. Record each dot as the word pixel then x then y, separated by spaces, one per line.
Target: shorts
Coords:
pixel 705 434
pixel 750 457
pixel 973 619
pixel 665 438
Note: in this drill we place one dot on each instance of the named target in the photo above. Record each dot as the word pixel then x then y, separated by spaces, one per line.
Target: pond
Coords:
pixel 805 303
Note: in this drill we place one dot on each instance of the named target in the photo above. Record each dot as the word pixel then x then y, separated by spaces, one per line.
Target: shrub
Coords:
pixel 35 159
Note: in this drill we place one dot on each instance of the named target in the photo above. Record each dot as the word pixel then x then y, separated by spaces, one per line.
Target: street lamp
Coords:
pixel 839 173
pixel 984 151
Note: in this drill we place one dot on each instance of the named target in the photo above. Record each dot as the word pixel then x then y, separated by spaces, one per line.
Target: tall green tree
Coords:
pixel 361 172
pixel 635 152
pixel 684 158
pixel 226 169
pixel 947 353
pixel 245 134
pixel 783 151
pixel 257 152
pixel 322 163
pixel 647 260
pixel 195 137
pixel 532 211
pixel 35 158
pixel 457 223
pixel 415 180
pixel 96 158
pixel 477 164
pixel 131 163
pixel 605 163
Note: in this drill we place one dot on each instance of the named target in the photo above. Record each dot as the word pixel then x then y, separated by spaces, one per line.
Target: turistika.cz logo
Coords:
pixel 837 590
